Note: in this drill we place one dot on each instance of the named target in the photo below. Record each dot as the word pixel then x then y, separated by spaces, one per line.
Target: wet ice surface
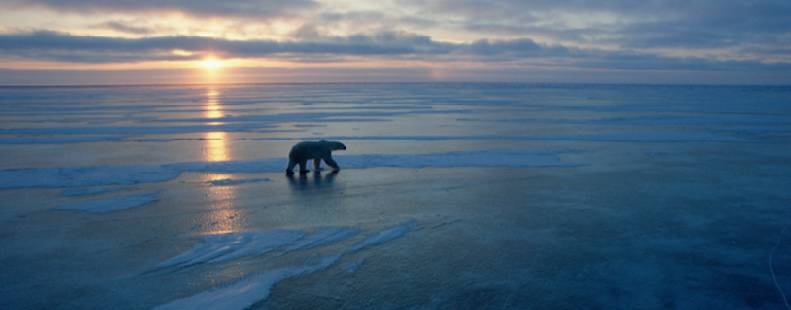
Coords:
pixel 111 204
pixel 231 182
pixel 451 196
pixel 246 292
pixel 117 175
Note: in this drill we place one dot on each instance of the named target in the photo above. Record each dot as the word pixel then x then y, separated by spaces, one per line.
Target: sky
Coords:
pixel 200 41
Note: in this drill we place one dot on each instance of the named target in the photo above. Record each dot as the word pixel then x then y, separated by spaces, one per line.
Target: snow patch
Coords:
pixel 384 236
pixel 253 289
pixel 246 292
pixel 323 236
pixel 224 247
pixel 229 246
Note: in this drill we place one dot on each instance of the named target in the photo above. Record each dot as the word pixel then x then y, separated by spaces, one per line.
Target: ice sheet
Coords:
pixel 323 236
pixel 253 289
pixel 84 176
pixel 112 204
pixel 224 247
pixel 352 266
pixel 603 137
pixel 226 123
pixel 246 292
pixel 122 175
pixel 230 182
pixel 385 235
pixel 695 176
pixel 86 191
pixel 42 140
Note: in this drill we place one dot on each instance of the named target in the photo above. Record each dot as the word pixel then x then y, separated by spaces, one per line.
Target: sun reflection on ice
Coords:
pixel 216 147
pixel 224 217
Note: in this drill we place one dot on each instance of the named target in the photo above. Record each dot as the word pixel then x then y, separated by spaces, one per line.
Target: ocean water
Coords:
pixel 457 195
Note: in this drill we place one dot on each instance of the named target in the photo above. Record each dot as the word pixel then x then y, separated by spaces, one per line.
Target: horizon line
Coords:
pixel 110 85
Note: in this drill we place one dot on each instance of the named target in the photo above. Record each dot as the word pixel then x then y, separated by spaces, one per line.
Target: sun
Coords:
pixel 211 63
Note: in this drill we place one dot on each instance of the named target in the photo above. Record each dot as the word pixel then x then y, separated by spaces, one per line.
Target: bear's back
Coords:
pixel 308 149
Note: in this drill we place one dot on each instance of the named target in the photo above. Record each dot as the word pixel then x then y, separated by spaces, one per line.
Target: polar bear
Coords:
pixel 313 150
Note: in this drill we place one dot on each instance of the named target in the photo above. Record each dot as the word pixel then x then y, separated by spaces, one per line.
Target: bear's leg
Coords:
pixel 316 164
pixel 330 162
pixel 303 166
pixel 290 168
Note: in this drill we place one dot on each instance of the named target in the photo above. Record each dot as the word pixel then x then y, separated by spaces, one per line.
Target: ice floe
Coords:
pixel 112 204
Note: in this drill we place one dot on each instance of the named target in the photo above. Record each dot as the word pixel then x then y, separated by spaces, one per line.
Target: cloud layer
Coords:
pixel 99 49
pixel 247 8
pixel 705 35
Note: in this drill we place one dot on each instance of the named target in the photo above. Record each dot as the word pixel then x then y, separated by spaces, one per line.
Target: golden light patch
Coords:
pixel 211 63
pixel 181 53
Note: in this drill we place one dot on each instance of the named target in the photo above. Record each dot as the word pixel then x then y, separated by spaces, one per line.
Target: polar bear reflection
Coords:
pixel 319 181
